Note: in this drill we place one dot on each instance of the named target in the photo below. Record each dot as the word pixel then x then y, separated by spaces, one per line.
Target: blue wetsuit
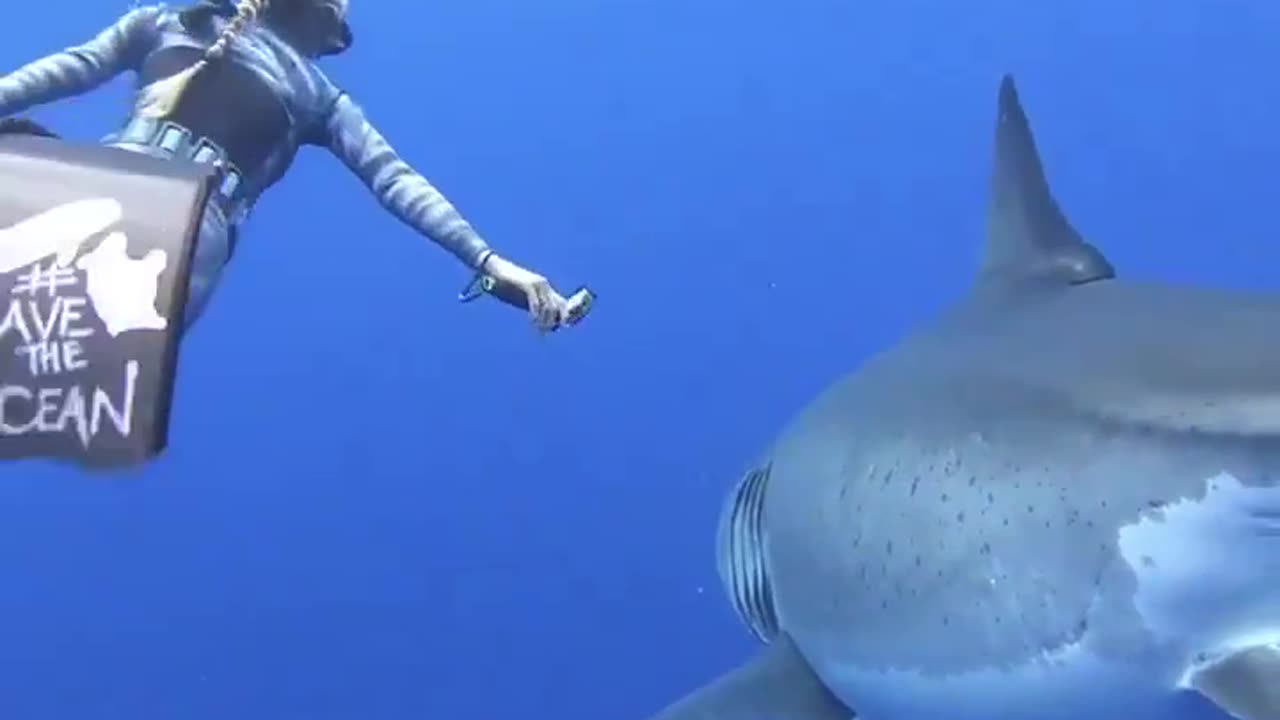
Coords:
pixel 249 112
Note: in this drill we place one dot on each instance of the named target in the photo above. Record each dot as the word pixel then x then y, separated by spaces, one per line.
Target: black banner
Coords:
pixel 95 249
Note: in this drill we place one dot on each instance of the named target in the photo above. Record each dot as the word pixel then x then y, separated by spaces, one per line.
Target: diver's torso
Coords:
pixel 259 103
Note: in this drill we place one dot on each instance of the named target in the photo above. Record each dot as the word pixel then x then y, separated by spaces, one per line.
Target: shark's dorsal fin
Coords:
pixel 1028 237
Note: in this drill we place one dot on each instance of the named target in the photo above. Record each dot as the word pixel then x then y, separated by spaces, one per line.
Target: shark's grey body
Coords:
pixel 1058 501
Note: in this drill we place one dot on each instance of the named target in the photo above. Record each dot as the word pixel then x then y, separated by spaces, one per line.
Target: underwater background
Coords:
pixel 380 503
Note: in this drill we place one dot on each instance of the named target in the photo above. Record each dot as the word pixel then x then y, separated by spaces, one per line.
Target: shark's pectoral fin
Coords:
pixel 1029 239
pixel 777 684
pixel 1244 683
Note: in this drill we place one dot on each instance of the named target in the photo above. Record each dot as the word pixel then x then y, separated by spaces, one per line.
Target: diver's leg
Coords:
pixel 213 248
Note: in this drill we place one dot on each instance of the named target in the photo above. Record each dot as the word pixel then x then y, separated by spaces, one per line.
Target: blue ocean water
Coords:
pixel 379 503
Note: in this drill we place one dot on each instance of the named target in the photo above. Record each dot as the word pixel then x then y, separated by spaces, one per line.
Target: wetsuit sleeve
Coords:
pixel 401 190
pixel 80 69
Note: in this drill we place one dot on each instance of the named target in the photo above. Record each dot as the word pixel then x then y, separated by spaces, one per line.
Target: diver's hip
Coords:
pixel 168 140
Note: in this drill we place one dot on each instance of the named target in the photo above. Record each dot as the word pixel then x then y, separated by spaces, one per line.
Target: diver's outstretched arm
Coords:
pixel 410 197
pixel 399 188
pixel 77 70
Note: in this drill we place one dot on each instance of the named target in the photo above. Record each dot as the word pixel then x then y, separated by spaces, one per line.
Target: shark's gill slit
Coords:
pixel 740 555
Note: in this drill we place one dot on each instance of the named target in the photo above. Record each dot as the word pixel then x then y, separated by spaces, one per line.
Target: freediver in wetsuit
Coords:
pixel 236 84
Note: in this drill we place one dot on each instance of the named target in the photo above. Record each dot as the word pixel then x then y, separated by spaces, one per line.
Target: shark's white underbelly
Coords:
pixel 1074 686
pixel 1206 582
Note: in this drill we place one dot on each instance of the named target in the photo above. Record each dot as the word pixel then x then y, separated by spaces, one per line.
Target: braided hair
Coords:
pixel 159 99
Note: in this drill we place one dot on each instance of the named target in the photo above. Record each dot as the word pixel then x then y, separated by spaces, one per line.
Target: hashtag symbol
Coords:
pixel 48 279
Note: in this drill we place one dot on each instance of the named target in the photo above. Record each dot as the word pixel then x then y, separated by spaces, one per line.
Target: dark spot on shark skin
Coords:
pixel 1148 561
pixel 915 483
pixel 973 480
pixel 945 497
pixel 888 548
pixel 960 517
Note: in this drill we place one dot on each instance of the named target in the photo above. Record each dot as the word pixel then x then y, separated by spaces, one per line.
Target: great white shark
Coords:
pixel 1058 500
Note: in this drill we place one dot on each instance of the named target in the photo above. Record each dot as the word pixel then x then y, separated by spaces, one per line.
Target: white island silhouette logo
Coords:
pixel 59 282
pixel 122 290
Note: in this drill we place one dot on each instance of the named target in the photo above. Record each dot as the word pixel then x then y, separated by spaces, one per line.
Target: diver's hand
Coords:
pixel 548 308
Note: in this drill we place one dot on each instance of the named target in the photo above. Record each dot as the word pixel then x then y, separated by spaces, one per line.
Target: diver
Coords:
pixel 236 83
